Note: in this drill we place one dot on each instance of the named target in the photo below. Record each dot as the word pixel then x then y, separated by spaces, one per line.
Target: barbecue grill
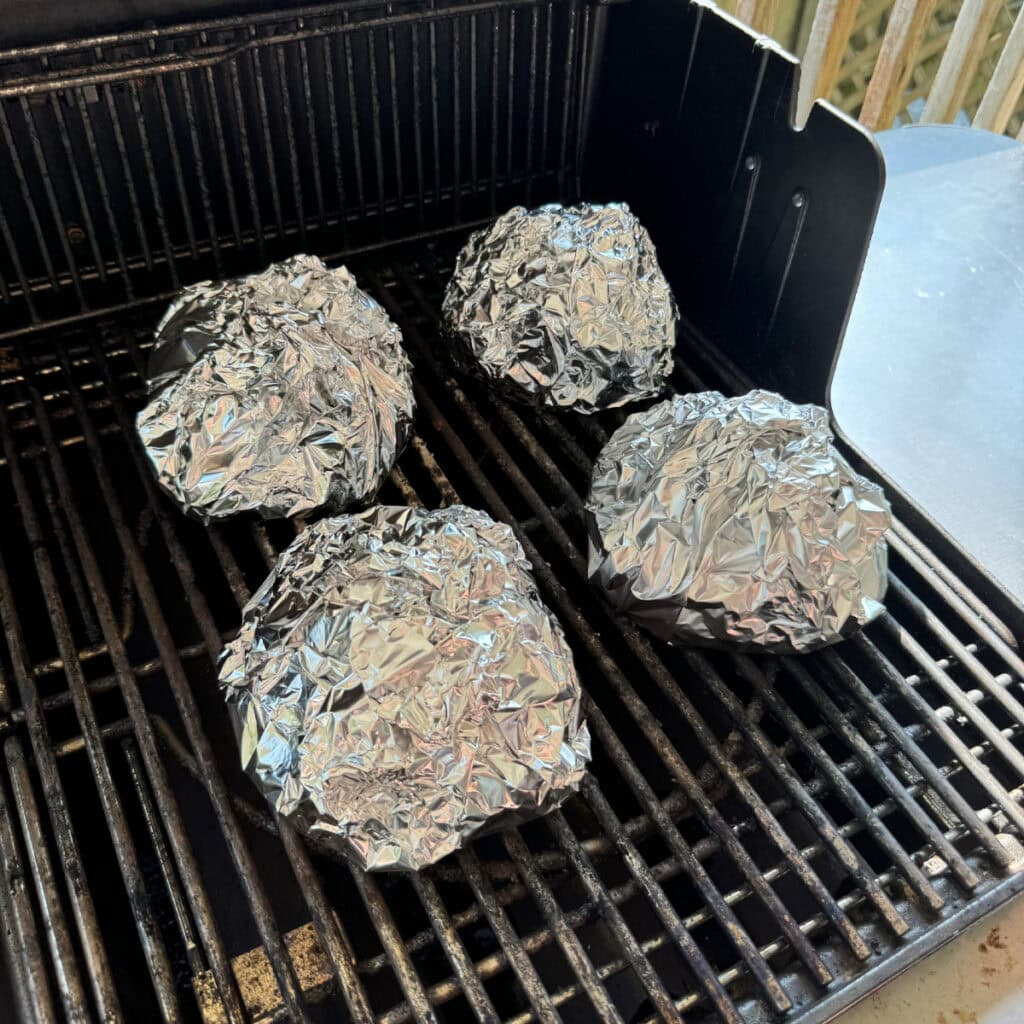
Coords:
pixel 758 839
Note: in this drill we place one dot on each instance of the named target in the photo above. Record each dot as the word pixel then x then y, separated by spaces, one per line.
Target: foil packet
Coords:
pixel 563 306
pixel 398 686
pixel 735 522
pixel 280 393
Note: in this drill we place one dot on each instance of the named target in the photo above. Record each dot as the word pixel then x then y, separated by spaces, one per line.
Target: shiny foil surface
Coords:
pixel 735 522
pixel 279 393
pixel 564 306
pixel 398 685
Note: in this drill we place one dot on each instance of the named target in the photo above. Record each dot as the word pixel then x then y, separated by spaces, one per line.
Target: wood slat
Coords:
pixel 959 63
pixel 826 44
pixel 907 24
pixel 760 15
pixel 1007 80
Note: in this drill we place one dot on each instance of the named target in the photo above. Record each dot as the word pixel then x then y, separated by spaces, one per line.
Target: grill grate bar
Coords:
pixel 19 270
pixel 269 164
pixel 99 685
pixel 376 127
pixel 104 190
pixel 495 123
pixel 311 128
pixel 396 121
pixel 177 679
pixel 244 147
pixel 353 111
pixel 390 936
pixel 964 601
pixel 332 120
pixel 840 783
pixel 717 903
pixel 468 976
pixel 129 180
pixel 566 118
pixel 133 699
pixel 457 114
pixel 163 855
pixel 83 908
pixel 58 937
pixel 117 824
pixel 612 916
pixel 417 122
pixel 650 887
pixel 82 603
pixel 510 88
pixel 844 853
pixel 45 175
pixel 531 101
pixel 76 178
pixel 560 929
pixel 26 195
pixel 1010 704
pixel 16 907
pixel 957 698
pixel 938 726
pixel 474 92
pixel 333 938
pixel 901 740
pixel 515 953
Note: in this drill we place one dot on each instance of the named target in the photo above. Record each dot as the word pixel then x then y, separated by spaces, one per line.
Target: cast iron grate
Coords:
pixel 758 839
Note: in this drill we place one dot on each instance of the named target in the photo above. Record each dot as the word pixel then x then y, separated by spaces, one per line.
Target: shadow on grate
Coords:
pixel 756 835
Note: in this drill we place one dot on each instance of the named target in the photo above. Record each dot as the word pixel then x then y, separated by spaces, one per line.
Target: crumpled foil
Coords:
pixel 397 685
pixel 565 306
pixel 282 392
pixel 735 522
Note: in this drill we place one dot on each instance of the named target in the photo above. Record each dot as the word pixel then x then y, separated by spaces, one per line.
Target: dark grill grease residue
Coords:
pixel 750 829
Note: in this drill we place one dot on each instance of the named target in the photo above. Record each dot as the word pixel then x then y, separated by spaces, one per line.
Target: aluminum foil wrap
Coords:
pixel 565 306
pixel 398 685
pixel 734 521
pixel 282 392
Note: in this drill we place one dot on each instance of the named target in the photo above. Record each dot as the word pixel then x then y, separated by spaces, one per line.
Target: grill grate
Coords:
pixel 756 836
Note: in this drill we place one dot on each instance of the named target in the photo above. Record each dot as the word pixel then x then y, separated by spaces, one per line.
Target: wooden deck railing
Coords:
pixel 957 56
